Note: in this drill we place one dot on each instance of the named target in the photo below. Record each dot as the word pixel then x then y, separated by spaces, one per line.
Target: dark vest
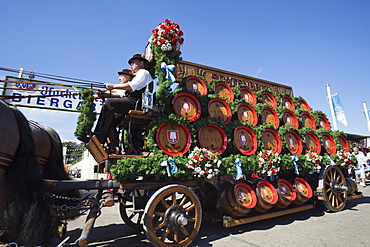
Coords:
pixel 138 94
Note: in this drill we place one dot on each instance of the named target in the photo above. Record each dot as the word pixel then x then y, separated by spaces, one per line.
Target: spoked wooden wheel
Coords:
pixel 172 216
pixel 334 189
pixel 130 214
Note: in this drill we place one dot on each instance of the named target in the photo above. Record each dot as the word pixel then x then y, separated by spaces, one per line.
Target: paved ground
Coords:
pixel 314 227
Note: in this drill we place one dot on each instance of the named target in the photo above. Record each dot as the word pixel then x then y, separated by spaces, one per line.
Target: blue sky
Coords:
pixel 303 44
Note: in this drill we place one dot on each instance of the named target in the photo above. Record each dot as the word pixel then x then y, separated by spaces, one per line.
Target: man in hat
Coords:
pixel 361 161
pixel 123 97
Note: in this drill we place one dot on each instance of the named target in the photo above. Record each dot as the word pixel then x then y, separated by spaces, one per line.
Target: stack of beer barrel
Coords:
pixel 291 126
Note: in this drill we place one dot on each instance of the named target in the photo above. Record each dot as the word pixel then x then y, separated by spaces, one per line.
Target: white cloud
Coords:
pixel 259 71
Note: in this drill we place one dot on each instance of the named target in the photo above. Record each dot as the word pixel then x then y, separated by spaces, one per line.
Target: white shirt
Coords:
pixel 361 159
pixel 121 92
pixel 140 80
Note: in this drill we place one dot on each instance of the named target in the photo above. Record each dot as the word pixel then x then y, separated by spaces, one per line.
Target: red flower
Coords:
pixel 167 21
pixel 163 26
pixel 173 42
pixel 196 157
pixel 273 171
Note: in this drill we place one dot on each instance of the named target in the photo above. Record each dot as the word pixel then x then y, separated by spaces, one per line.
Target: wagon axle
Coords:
pixel 175 217
pixel 336 187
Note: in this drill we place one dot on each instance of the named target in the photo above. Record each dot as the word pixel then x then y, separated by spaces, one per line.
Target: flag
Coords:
pixel 367 112
pixel 338 109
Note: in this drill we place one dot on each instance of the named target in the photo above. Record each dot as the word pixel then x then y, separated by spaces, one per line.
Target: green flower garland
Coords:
pixel 87 115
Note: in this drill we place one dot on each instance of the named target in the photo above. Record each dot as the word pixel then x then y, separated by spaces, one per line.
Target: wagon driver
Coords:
pixel 123 97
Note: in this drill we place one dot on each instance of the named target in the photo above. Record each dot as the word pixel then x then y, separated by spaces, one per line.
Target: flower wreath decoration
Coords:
pixel 344 159
pixel 204 163
pixel 311 162
pixel 268 162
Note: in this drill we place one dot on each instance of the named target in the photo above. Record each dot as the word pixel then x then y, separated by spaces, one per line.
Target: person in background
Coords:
pixel 360 169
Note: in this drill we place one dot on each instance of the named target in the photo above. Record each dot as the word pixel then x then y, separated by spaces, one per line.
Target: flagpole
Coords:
pixel 331 107
pixel 366 115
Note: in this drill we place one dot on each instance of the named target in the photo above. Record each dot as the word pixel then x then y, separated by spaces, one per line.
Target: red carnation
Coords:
pixel 167 21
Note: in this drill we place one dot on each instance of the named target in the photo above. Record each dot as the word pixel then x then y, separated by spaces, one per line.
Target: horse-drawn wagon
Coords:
pixel 221 145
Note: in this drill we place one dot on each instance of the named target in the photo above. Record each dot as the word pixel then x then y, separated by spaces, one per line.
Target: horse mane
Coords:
pixel 54 168
pixel 28 216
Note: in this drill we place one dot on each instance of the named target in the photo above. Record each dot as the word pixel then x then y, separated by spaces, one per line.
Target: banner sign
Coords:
pixel 338 109
pixel 37 94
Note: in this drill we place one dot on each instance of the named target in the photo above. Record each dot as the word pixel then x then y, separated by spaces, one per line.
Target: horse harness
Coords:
pixel 5 160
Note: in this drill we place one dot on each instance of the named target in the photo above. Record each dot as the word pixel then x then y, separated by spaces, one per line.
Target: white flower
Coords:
pixel 209 176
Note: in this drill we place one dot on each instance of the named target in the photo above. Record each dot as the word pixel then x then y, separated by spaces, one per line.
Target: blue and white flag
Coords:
pixel 338 109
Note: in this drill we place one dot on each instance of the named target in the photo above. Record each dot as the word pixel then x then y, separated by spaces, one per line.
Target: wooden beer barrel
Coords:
pixel 312 142
pixel 267 196
pixel 245 140
pixel 213 138
pixel 307 120
pixel 287 102
pixel 197 85
pixel 238 200
pixel 303 105
pixel 286 193
pixel 218 108
pixel 173 139
pixel 248 95
pixel 187 106
pixel 269 116
pixel 303 190
pixel 328 144
pixel 247 113
pixel 323 122
pixel 268 98
pixel 224 90
pixel 271 141
pixel 342 140
pixel 293 142
pixel 289 118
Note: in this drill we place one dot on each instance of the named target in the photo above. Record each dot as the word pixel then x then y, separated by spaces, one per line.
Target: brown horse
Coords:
pixel 26 216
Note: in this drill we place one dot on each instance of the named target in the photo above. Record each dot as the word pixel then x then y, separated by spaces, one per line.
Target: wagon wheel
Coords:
pixel 172 216
pixel 126 209
pixel 334 189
